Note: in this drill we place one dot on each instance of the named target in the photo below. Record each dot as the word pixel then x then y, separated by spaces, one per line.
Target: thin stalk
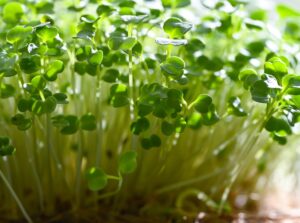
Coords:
pixel 49 154
pixel 99 115
pixel 131 85
pixel 78 169
pixel 1 77
pixel 34 166
pixel 19 203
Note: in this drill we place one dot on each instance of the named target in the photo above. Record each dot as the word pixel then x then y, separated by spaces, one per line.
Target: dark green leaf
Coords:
pixel 12 12
pixel 88 122
pixel 175 28
pixel 7 90
pixel 134 19
pixel 61 98
pixel 96 58
pixel 203 103
pixel 123 43
pixel 140 125
pixel 173 66
pixel 30 64
pixel 155 140
pixel 18 34
pixel 46 33
pixel 260 92
pixel 55 67
pixel 291 82
pixel 105 10
pixel 128 162
pixel 110 75
pixel 279 126
pixel 49 105
pixel 167 128
pixel 96 179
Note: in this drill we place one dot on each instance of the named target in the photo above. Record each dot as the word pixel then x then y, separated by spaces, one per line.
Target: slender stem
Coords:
pixel 99 114
pixel 78 169
pixel 19 203
pixel 131 84
pixel 34 167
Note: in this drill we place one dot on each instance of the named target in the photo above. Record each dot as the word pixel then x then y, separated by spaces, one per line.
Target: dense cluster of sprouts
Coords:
pixel 108 102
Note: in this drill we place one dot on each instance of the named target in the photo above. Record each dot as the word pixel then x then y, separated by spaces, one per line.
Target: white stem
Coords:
pixel 19 203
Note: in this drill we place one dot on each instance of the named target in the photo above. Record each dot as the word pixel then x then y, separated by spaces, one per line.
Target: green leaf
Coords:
pixel 61 98
pixel 285 11
pixel 44 7
pixel 110 75
pixel 96 58
pixel 203 103
pixel 85 31
pixel 7 150
pixel 180 124
pixel 260 92
pixel 4 141
pixel 105 10
pixel 235 107
pixel 38 107
pixel 194 121
pixel 18 34
pixel 173 66
pixel 137 50
pixel 167 128
pixel 140 125
pixel 134 19
pixel 119 95
pixel 38 82
pixel 128 162
pixel 12 12
pixel 30 64
pixel 211 117
pixel 195 45
pixel 291 82
pixel 155 140
pixel 7 90
pixel 49 105
pixel 87 18
pixel 24 105
pixel 175 3
pixel 46 33
pixel 55 67
pixel 277 67
pixel 175 28
pixel 121 43
pixel 91 69
pixel 68 124
pixel 254 24
pixel 88 122
pixel 279 126
pixel 271 81
pixel 174 42
pixel 96 179
pixel 249 77
pixel 80 67
pixel 146 143
pixel 21 122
